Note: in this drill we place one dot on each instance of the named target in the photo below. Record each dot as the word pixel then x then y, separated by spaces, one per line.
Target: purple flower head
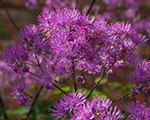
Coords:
pixel 63 68
pixel 24 100
pixel 110 114
pixel 146 89
pixel 46 77
pixel 73 4
pixel 30 38
pixel 137 25
pixel 16 57
pixel 25 69
pixel 79 78
pixel 98 109
pixel 18 89
pixel 20 70
pixel 15 53
pixel 100 103
pixel 133 58
pixel 46 22
pixel 138 110
pixel 51 21
pixel 102 109
pixel 134 91
pixel 27 33
pixel 129 13
pixel 141 73
pixel 68 103
pixel 108 15
pixel 127 35
pixel 30 4
pixel 39 44
pixel 5 73
pixel 83 112
pixel 119 63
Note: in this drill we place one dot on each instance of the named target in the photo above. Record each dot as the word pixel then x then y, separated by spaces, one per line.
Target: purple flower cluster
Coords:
pixel 18 83
pixel 76 107
pixel 140 75
pixel 16 56
pixel 6 72
pixel 129 11
pixel 18 93
pixel 30 4
pixel 66 41
pixel 68 103
pixel 91 42
pixel 138 110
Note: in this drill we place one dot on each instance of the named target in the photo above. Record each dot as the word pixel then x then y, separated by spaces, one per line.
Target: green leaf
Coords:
pixel 123 88
pixel 2 30
pixel 2 112
pixel 58 92
pixel 74 80
pixel 67 89
pixel 20 111
pixel 114 85
pixel 57 79
pixel 97 79
pixel 102 81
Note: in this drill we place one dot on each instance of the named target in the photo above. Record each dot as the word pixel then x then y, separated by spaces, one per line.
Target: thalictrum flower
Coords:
pixel 141 73
pixel 138 110
pixel 46 77
pixel 68 103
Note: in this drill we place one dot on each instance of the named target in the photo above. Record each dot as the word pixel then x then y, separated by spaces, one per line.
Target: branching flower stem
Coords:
pixel 91 5
pixel 54 84
pixel 35 98
pixel 96 84
pixel 32 97
pixel 121 97
pixel 9 16
pixel 104 72
pixel 60 89
pixel 75 85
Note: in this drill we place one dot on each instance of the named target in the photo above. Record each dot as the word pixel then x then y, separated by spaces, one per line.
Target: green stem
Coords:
pixel 35 98
pixel 2 106
pixel 75 85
